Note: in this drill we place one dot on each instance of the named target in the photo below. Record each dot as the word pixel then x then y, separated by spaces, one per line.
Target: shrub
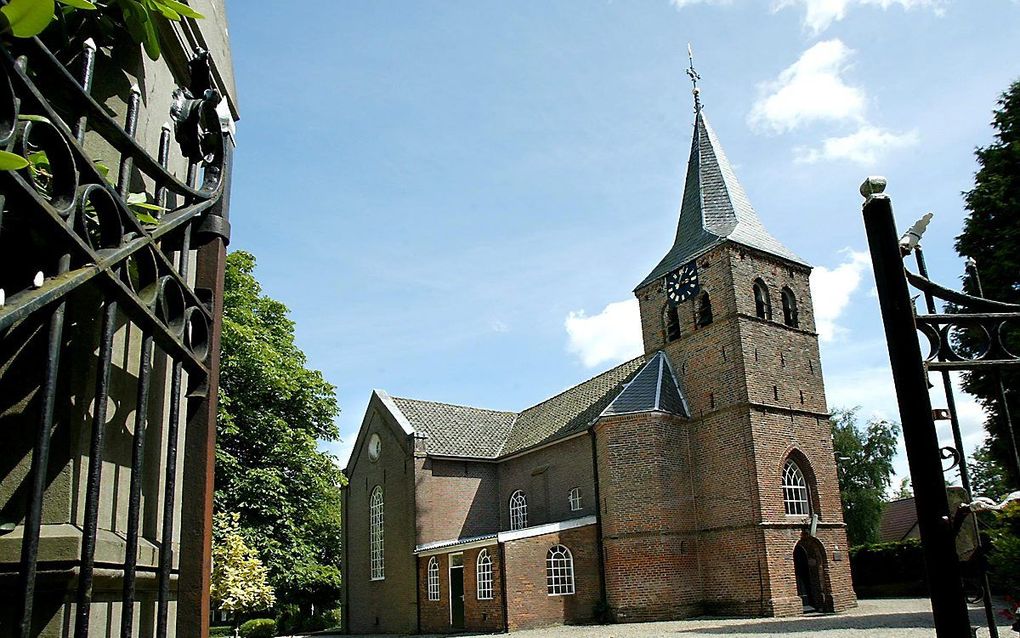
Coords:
pixel 259 628
pixel 221 631
pixel 888 569
pixel 1004 558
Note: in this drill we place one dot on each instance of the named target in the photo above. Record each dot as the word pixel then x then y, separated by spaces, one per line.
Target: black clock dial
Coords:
pixel 682 283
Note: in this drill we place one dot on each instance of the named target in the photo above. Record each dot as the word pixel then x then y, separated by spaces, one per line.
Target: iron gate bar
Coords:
pixel 105 264
pixel 954 422
pixel 949 606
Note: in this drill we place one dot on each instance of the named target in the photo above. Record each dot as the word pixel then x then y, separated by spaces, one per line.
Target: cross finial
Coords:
pixel 691 73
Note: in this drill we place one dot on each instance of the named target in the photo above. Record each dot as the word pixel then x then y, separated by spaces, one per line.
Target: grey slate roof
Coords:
pixel 714 208
pixel 570 411
pixel 457 430
pixel 653 389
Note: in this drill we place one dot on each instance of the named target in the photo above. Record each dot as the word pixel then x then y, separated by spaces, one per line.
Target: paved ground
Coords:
pixel 887 618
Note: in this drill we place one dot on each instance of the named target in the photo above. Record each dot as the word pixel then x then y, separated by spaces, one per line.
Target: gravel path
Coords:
pixel 886 618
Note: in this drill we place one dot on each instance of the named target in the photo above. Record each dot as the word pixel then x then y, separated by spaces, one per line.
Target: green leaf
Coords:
pixel 103 169
pixel 33 118
pixel 11 162
pixel 148 206
pixel 79 4
pixel 182 9
pixel 145 218
pixel 137 198
pixel 167 12
pixel 27 18
pixel 39 160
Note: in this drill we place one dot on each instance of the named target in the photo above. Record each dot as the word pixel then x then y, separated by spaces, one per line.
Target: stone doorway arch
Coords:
pixel 810 571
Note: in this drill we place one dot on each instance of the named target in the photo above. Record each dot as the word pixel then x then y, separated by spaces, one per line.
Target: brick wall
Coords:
pixel 547 476
pixel 388 605
pixel 455 499
pixel 528 602
pixel 479 615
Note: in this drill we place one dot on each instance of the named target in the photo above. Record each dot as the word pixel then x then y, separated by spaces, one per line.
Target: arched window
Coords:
pixel 671 319
pixel 795 490
pixel 575 499
pixel 483 571
pixel 433 578
pixel 790 308
pixel 375 532
pixel 704 310
pixel 559 571
pixel 518 510
pixel 762 301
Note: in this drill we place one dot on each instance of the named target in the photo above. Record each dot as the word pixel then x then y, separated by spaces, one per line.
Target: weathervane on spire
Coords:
pixel 691 73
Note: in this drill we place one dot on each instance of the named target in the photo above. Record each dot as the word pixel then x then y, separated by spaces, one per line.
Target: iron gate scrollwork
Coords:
pixel 949 537
pixel 109 327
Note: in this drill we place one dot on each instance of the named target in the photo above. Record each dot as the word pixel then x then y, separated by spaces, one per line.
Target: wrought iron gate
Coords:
pixel 949 578
pixel 109 351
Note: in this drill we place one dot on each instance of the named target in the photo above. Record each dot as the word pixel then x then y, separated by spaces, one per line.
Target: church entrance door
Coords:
pixel 808 567
pixel 457 591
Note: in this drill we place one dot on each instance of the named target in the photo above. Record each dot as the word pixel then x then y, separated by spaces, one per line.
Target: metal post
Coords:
pixel 949 606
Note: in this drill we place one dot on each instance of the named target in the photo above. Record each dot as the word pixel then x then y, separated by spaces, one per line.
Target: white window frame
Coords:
pixel 575 500
pixel 483 575
pixel 559 571
pixel 518 510
pixel 432 579
pixel 376 535
pixel 796 495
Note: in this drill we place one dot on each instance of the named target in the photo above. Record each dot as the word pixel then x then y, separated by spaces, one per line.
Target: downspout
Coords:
pixel 598 517
pixel 502 575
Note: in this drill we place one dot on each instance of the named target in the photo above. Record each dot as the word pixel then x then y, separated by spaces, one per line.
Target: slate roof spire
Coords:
pixel 714 207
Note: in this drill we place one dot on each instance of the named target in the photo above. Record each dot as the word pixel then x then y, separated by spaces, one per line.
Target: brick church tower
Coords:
pixel 730 505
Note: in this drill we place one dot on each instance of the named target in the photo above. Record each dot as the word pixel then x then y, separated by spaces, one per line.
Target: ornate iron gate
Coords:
pixel 948 577
pixel 109 351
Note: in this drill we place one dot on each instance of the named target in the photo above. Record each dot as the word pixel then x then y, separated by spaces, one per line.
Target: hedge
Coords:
pixel 259 628
pixel 888 569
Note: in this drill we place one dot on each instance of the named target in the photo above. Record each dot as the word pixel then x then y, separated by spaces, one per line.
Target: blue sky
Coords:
pixel 456 199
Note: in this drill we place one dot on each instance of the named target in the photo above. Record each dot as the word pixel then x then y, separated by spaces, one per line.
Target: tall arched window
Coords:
pixel 433 578
pixel 704 310
pixel 483 571
pixel 790 308
pixel 795 490
pixel 762 301
pixel 518 510
pixel 671 319
pixel 559 571
pixel 375 532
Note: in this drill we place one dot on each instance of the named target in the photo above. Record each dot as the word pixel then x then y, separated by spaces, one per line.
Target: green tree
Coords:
pixel 987 478
pixel 864 459
pixel 991 236
pixel 273 412
pixel 905 490
pixel 239 579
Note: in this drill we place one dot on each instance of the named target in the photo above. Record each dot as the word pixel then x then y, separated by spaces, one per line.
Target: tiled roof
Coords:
pixel 570 411
pixel 653 389
pixel 714 208
pixel 457 430
pixel 899 521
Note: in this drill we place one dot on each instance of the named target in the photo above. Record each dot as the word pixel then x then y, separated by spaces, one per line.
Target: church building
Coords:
pixel 697 478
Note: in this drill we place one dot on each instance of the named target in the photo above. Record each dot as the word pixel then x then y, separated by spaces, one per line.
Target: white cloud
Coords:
pixel 613 335
pixel 499 326
pixel 810 89
pixel 820 14
pixel 831 289
pixel 864 146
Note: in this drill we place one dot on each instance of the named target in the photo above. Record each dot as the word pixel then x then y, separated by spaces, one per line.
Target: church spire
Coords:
pixel 714 207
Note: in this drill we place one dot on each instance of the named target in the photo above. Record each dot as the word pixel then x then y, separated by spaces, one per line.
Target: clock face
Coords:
pixel 682 283
pixel 374 447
